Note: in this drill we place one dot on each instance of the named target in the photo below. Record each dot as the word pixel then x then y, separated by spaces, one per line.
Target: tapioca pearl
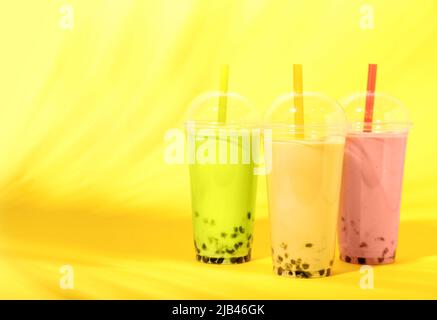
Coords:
pixel 286 255
pixel 384 252
pixel 241 229
pixel 290 273
pixel 322 272
pixel 240 259
pixel 361 260
pixel 230 251
pixel 328 272
pixel 308 245
pixel 233 260
pixel 280 259
pixel 205 259
pixel 249 215
pixel 213 260
pixel 280 270
pixel 235 229
pixel 284 246
pixel 331 262
pixel 220 260
pixel 347 259
pixel 247 258
pixel 300 274
pixel 292 261
pixel 203 246
pixel 305 265
pixel 249 237
pixel 198 257
pixel 363 245
pixel 223 234
pixel 381 260
pixel 234 235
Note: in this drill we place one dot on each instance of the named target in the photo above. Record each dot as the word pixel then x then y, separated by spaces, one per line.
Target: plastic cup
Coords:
pixel 372 180
pixel 223 183
pixel 304 184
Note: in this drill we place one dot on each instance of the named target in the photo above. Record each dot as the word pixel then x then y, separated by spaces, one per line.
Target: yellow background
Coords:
pixel 83 114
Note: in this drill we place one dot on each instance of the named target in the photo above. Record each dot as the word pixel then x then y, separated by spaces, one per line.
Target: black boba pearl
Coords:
pixel 280 270
pixel 322 272
pixel 213 260
pixel 361 260
pixel 198 257
pixel 328 272
pixel 205 259
pixel 347 259
pixel 220 260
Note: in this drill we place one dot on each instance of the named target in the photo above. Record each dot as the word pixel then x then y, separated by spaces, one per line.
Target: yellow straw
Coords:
pixel 298 98
pixel 223 99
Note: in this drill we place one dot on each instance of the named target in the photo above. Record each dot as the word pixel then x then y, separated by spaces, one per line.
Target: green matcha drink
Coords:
pixel 223 201
pixel 222 170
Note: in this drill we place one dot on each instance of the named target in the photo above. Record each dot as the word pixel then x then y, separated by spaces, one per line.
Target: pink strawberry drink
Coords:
pixel 373 168
pixel 371 196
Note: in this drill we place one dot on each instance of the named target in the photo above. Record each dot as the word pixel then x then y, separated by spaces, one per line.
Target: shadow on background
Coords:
pixel 417 239
pixel 145 236
pixel 139 236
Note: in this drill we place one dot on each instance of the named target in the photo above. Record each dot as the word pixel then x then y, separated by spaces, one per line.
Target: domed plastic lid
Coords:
pixel 213 109
pixel 389 114
pixel 321 116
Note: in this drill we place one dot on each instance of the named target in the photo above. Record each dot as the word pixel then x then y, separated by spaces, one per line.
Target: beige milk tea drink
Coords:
pixel 303 191
pixel 304 185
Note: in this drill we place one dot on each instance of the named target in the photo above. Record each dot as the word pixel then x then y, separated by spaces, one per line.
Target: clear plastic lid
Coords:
pixel 322 116
pixel 389 114
pixel 204 111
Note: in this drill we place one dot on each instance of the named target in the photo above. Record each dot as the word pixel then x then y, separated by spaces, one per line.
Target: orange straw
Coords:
pixel 370 98
pixel 298 98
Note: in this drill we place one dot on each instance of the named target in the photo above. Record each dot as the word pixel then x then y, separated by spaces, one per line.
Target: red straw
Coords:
pixel 370 98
